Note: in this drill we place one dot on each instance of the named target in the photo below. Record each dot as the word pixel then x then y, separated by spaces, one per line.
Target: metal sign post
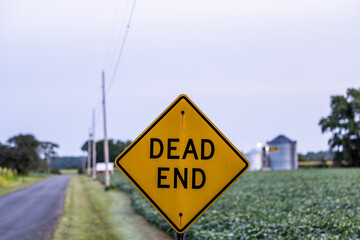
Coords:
pixel 180 236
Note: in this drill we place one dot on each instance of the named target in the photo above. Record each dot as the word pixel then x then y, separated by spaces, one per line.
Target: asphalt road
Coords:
pixel 33 212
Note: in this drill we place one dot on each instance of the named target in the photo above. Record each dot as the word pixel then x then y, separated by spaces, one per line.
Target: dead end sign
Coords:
pixel 182 163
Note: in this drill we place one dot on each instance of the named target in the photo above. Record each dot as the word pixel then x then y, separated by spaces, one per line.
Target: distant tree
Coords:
pixel 2 157
pixel 115 148
pixel 317 156
pixel 21 153
pixel 5 156
pixel 67 162
pixel 344 124
pixel 84 147
pixel 302 158
pixel 48 153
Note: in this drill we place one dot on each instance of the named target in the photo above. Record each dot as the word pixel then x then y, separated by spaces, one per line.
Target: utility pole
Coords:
pixel 106 145
pixel 83 164
pixel 89 154
pixel 94 148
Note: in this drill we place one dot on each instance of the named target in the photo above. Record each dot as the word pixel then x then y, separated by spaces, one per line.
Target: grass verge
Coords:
pixel 68 171
pixel 21 182
pixel 92 213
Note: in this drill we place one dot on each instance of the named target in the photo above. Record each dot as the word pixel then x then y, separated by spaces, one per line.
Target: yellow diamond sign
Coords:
pixel 182 163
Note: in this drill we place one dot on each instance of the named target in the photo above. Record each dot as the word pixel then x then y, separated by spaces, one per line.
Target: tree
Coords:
pixel 302 158
pixel 21 153
pixel 6 155
pixel 344 124
pixel 48 153
pixel 2 155
pixel 115 148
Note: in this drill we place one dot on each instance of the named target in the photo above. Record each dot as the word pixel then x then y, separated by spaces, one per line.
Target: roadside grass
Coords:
pixel 92 213
pixel 21 182
pixel 85 213
pixel 69 171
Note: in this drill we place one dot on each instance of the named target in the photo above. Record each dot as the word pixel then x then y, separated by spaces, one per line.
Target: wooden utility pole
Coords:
pixel 89 154
pixel 106 145
pixel 83 164
pixel 94 148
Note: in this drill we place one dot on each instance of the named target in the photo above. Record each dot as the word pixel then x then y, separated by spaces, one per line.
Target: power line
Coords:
pixel 122 46
pixel 115 67
pixel 112 38
pixel 117 40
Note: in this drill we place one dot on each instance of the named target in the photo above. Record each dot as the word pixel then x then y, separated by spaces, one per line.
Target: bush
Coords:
pixel 111 187
pixel 55 171
pixel 7 175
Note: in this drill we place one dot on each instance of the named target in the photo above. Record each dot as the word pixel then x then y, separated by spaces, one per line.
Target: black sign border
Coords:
pixel 118 159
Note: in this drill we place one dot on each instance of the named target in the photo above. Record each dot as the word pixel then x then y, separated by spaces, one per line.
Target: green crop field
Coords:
pixel 303 204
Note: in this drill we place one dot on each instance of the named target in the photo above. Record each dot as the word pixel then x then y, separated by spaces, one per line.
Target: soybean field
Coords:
pixel 303 204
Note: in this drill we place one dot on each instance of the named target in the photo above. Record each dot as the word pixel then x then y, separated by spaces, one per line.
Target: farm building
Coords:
pixel 255 158
pixel 281 153
pixel 100 167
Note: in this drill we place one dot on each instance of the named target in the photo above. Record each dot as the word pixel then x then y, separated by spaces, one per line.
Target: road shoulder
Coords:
pixel 92 213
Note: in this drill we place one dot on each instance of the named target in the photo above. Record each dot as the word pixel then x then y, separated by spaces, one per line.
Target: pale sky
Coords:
pixel 256 68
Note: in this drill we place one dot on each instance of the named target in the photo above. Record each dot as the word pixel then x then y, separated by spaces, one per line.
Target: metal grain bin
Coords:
pixel 281 153
pixel 255 158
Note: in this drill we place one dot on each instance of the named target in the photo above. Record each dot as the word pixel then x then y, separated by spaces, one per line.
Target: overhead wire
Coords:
pixel 113 39
pixel 112 77
pixel 118 57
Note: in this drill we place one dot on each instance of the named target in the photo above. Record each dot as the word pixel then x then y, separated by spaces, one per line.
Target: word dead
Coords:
pixel 189 149
pixel 194 178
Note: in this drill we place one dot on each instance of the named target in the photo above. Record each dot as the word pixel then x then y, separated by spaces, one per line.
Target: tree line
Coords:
pixel 115 148
pixel 24 153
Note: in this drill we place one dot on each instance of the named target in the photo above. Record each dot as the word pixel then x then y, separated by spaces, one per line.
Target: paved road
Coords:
pixel 32 212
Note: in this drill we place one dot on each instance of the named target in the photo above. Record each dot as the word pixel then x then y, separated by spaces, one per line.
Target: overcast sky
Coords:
pixel 256 68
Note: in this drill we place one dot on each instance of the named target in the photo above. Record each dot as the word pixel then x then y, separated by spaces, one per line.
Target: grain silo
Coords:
pixel 255 158
pixel 281 153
